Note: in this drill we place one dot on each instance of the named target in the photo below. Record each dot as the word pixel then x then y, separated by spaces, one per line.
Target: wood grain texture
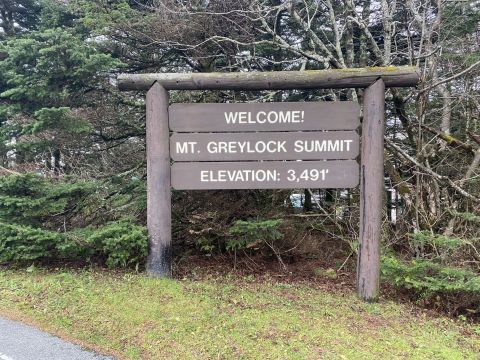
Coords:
pixel 159 212
pixel 277 80
pixel 371 190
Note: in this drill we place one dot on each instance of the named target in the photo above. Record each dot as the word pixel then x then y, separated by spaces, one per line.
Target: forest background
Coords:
pixel 72 147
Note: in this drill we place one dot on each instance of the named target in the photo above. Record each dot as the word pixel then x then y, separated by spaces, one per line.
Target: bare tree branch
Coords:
pixel 429 171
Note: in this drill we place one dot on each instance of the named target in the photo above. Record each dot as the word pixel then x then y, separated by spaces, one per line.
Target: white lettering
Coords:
pixel 5 357
pixel 333 145
pixel 245 175
pixel 243 117
pixel 347 143
pixel 211 148
pixel 185 147
pixel 279 117
pixel 261 117
pixel 239 117
pixel 231 117
pixel 258 147
pixel 321 145
pixel 272 117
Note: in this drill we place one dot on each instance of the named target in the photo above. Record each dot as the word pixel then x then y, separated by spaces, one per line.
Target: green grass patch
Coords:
pixel 138 317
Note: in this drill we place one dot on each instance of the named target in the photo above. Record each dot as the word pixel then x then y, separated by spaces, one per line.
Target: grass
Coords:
pixel 136 317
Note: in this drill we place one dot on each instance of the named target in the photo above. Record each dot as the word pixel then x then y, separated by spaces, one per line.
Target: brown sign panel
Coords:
pixel 265 175
pixel 312 145
pixel 335 115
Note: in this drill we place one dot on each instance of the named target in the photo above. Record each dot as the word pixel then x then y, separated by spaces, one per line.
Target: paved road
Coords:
pixel 22 342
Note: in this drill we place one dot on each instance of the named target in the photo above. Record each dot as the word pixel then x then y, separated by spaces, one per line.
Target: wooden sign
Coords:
pixel 335 115
pixel 265 175
pixel 204 173
pixel 312 145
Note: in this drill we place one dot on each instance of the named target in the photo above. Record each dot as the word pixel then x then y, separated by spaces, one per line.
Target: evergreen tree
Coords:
pixel 43 82
pixel 17 16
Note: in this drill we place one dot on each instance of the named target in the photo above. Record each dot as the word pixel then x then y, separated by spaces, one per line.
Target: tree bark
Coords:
pixel 275 80
pixel 159 207
pixel 371 190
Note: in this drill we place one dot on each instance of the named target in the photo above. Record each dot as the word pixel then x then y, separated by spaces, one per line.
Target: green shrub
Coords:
pixel 252 233
pixel 441 243
pixel 19 243
pixel 31 200
pixel 467 216
pixel 427 278
pixel 206 244
pixel 33 209
pixel 123 243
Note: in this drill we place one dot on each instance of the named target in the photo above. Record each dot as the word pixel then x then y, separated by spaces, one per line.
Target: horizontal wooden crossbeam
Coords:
pixel 274 80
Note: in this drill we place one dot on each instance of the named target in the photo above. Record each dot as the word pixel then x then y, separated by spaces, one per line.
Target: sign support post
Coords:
pixel 371 190
pixel 159 203
pixel 159 182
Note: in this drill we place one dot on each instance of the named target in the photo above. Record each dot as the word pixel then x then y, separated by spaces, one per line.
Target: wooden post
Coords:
pixel 372 180
pixel 274 80
pixel 371 190
pixel 158 183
